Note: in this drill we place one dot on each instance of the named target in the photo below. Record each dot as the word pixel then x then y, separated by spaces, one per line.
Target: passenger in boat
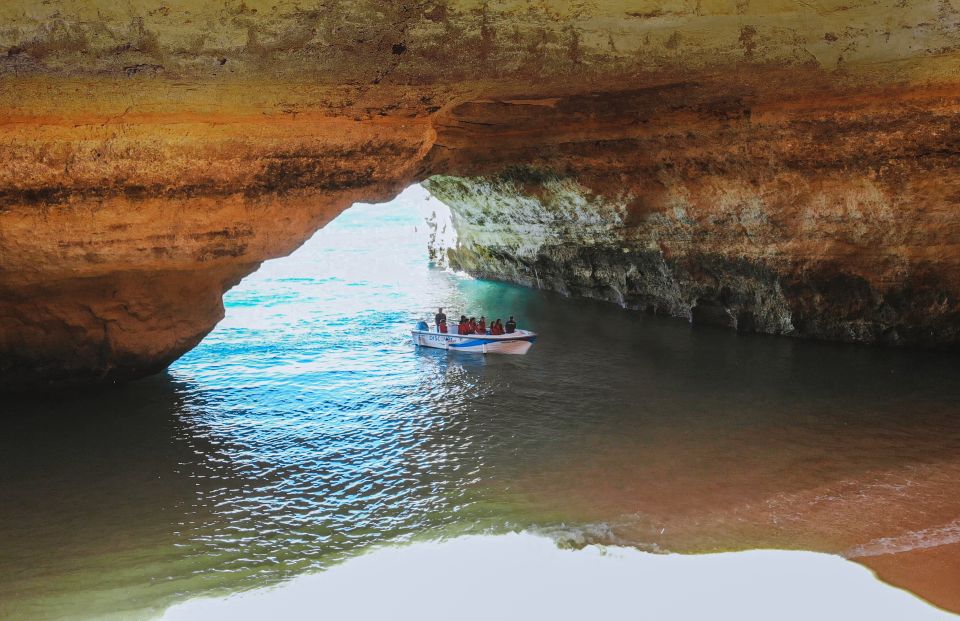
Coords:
pixel 482 325
pixel 442 326
pixel 511 325
pixel 497 328
pixel 472 326
pixel 439 318
pixel 464 327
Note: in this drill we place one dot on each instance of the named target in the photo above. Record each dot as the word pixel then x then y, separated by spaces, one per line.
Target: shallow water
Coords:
pixel 307 428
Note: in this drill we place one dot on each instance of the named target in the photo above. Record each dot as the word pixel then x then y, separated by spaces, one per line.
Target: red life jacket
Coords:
pixel 442 327
pixel 463 328
pixel 482 328
pixel 496 329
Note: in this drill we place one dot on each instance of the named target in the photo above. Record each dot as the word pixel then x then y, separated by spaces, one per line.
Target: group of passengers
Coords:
pixel 472 326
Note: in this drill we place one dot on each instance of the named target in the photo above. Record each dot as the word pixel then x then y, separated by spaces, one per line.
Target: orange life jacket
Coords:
pixel 481 328
pixel 442 327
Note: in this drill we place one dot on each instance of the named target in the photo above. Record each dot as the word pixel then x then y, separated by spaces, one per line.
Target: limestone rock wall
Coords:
pixel 831 217
pixel 119 235
pixel 731 259
pixel 779 166
pixel 435 41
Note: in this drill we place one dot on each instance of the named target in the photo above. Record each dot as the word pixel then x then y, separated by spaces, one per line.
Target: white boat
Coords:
pixel 517 342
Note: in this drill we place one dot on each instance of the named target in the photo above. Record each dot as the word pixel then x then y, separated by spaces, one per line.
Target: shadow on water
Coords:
pixel 94 490
pixel 674 437
pixel 280 445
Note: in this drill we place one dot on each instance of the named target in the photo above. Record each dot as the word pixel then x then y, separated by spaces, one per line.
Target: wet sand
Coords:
pixel 931 573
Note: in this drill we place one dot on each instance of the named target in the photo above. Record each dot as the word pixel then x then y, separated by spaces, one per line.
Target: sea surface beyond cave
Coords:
pixel 306 429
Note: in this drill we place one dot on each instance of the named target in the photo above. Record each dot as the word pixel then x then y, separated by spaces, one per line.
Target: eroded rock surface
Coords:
pixel 776 166
pixel 829 219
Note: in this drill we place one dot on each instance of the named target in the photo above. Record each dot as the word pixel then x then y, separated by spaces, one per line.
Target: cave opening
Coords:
pixel 374 265
pixel 312 430
pixel 742 171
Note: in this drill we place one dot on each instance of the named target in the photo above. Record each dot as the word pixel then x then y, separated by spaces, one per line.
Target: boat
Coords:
pixel 517 342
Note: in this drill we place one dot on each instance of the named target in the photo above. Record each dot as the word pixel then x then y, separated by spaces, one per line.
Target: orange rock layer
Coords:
pixel 831 217
pixel 778 167
pixel 824 214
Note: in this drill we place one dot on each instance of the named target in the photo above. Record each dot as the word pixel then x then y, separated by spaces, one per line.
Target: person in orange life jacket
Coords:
pixel 511 325
pixel 496 328
pixel 464 326
pixel 472 326
pixel 442 326
pixel 482 325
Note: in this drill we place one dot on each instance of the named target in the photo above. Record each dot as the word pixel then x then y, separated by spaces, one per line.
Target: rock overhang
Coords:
pixel 177 144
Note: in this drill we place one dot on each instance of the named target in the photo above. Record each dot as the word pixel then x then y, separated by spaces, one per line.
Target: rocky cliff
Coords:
pixel 776 166
pixel 836 220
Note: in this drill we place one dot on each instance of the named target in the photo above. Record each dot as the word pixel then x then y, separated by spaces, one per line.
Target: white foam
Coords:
pixel 914 540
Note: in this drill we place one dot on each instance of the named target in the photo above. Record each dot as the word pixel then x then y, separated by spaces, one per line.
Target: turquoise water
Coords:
pixel 307 428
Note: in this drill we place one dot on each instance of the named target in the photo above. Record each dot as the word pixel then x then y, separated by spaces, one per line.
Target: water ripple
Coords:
pixel 306 428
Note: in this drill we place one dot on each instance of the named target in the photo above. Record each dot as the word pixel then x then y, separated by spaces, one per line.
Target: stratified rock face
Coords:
pixel 832 218
pixel 730 258
pixel 118 240
pixel 107 328
pixel 780 166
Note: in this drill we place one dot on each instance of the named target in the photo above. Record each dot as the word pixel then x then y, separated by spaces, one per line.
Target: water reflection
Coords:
pixel 306 428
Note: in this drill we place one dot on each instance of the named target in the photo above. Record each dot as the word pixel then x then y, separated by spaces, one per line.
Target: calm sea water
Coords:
pixel 306 428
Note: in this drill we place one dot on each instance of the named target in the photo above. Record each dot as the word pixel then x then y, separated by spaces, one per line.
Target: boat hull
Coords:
pixel 517 343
